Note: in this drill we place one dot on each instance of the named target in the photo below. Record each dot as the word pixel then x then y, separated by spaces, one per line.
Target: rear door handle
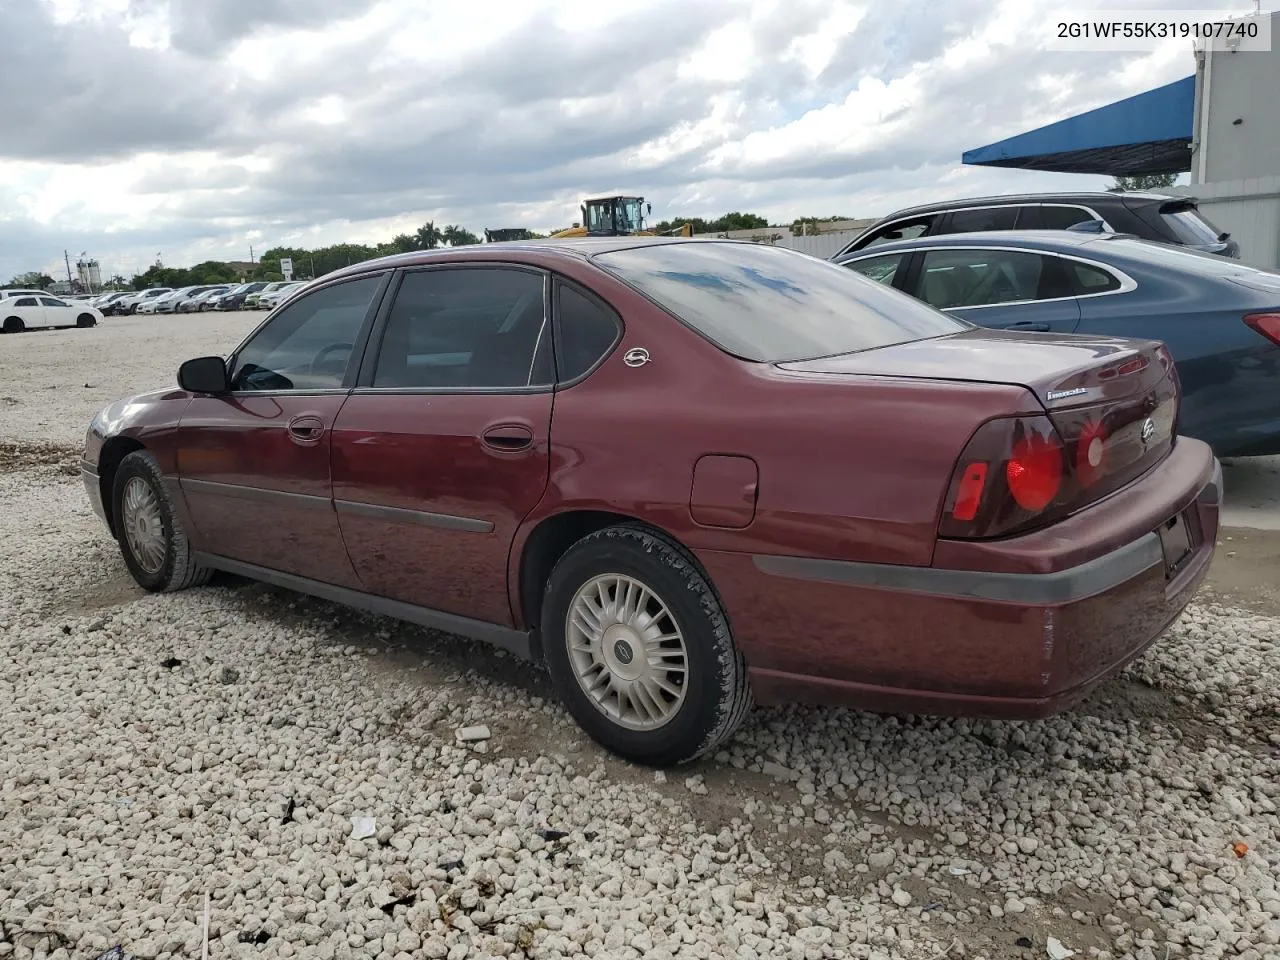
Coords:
pixel 1030 325
pixel 508 437
pixel 306 429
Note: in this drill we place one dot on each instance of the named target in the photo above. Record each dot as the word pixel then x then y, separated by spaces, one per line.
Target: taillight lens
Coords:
pixel 1011 471
pixel 1034 470
pixel 1267 324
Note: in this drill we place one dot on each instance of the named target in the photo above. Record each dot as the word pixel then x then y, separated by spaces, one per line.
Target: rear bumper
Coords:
pixel 1019 628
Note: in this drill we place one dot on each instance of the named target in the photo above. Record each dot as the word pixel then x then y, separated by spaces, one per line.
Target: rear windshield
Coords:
pixel 1189 225
pixel 770 304
pixel 1175 257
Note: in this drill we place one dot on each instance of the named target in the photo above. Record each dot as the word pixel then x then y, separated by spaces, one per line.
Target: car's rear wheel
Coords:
pixel 154 545
pixel 13 325
pixel 86 320
pixel 640 649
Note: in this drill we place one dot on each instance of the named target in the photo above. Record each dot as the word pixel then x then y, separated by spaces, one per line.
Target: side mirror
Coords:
pixel 204 375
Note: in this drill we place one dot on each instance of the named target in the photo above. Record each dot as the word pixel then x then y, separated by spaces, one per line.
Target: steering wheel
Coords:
pixel 320 357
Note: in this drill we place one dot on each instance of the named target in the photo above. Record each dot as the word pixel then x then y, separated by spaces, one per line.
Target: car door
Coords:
pixel 27 310
pixel 444 447
pixel 998 287
pixel 254 463
pixel 58 313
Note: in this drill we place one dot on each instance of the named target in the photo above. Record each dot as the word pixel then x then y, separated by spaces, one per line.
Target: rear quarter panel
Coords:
pixel 850 467
pixel 1227 371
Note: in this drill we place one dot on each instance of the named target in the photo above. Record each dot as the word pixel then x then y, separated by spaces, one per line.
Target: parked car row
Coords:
pixel 1218 317
pixel 255 295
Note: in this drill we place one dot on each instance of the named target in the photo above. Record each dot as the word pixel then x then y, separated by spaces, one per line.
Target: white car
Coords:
pixel 30 313
pixel 269 301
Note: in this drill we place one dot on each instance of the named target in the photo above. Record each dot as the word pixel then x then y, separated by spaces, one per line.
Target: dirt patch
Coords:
pixel 1246 570
pixel 38 454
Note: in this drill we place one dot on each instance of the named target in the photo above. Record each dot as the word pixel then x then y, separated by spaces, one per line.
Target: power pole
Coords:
pixel 67 260
pixel 251 253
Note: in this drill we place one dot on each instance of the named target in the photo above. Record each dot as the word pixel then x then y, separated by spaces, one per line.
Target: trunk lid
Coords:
pixel 1120 390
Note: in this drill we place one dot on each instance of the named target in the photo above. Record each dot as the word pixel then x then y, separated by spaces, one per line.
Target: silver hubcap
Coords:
pixel 143 526
pixel 627 651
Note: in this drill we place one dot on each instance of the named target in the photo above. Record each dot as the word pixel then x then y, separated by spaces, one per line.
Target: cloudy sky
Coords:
pixel 194 128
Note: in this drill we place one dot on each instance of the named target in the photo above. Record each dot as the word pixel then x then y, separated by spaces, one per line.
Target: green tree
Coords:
pixel 456 236
pixel 730 221
pixel 1143 181
pixel 428 236
pixel 32 280
pixel 812 225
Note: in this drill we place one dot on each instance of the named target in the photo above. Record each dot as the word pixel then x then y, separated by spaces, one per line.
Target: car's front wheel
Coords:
pixel 640 649
pixel 154 545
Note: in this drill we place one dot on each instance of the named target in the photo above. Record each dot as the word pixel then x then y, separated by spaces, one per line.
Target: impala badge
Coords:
pixel 1148 431
pixel 636 357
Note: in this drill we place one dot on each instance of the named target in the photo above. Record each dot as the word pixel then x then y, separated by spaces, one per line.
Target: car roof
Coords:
pixel 1040 239
pixel 1089 197
pixel 580 248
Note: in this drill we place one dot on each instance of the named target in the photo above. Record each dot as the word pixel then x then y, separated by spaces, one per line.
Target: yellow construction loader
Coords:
pixel 617 217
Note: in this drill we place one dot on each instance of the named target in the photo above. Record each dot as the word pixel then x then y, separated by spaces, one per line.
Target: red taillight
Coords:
pixel 1091 452
pixel 969 496
pixel 1011 470
pixel 1034 471
pixel 1267 324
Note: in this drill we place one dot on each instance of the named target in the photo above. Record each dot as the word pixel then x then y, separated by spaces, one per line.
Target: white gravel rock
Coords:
pixel 221 740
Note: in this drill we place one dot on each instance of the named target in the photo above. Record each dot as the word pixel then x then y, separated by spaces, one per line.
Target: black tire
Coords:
pixel 13 325
pixel 716 694
pixel 86 320
pixel 178 569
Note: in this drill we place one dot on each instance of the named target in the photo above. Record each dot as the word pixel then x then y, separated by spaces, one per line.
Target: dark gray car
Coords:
pixel 1148 216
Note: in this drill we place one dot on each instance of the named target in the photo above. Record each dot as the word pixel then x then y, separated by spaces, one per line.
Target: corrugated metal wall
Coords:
pixel 823 246
pixel 1247 209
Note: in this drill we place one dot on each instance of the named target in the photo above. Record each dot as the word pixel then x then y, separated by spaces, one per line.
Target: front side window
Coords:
pixel 308 345
pixel 770 304
pixel 879 269
pixel 466 328
pixel 903 230
pixel 974 278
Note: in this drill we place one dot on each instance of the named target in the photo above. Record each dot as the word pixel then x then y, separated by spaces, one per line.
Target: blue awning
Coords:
pixel 1146 133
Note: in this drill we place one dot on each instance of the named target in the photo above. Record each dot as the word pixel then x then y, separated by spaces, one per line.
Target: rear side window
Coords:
pixel 1060 218
pixel 466 327
pixel 975 278
pixel 1089 279
pixel 991 218
pixel 25 302
pixel 588 330
pixel 769 304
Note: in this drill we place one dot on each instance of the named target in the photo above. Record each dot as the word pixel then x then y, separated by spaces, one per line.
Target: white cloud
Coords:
pixel 196 128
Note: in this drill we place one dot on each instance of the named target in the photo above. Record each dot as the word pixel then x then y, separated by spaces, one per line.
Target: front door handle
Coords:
pixel 1030 325
pixel 508 437
pixel 306 430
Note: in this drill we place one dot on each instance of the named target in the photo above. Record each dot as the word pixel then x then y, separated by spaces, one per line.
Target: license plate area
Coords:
pixel 1177 540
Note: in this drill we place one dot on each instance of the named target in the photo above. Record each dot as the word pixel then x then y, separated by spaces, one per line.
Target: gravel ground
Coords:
pixel 218 743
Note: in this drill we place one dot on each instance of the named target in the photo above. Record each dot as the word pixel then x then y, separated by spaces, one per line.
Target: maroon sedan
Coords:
pixel 686 475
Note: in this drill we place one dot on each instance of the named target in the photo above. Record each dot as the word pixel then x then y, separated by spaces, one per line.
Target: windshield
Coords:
pixel 630 215
pixel 770 304
pixel 1190 226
